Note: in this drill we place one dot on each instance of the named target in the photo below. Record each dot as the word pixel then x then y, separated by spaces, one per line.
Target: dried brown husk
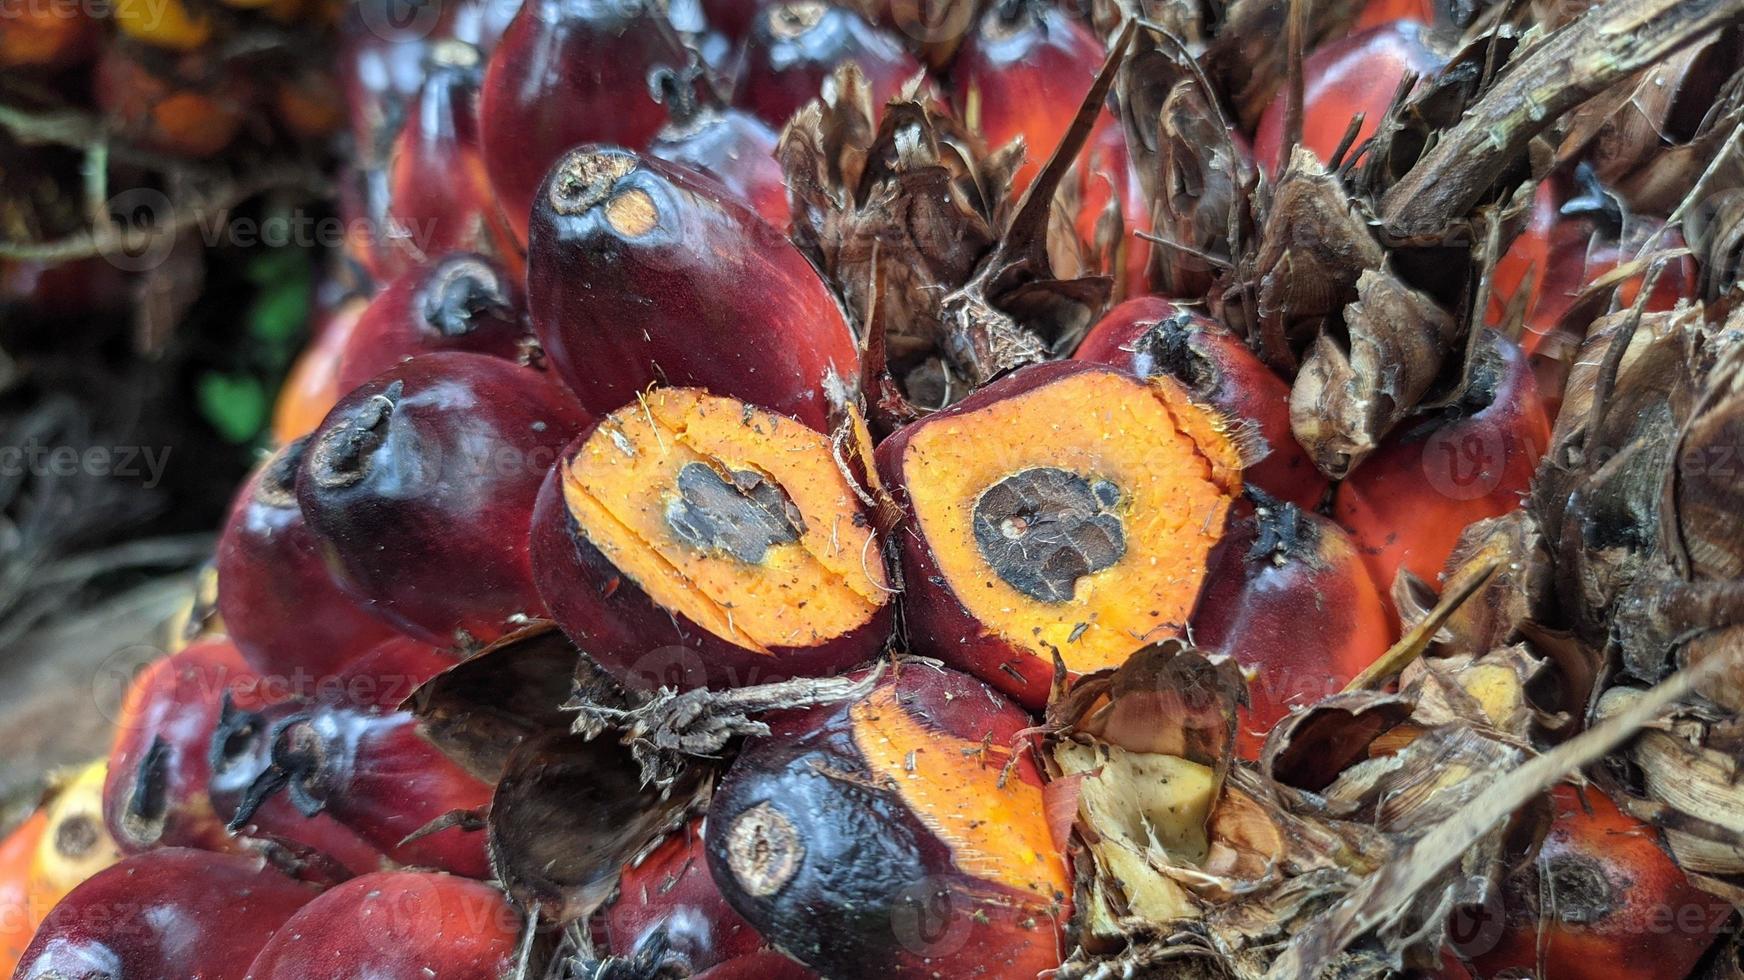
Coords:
pixel 1314 243
pixel 1424 107
pixel 1511 554
pixel 1598 491
pixel 1715 231
pixel 1199 184
pixel 1186 859
pixel 1506 690
pixel 1693 791
pixel 908 193
pixel 1689 602
pixel 1489 148
pixel 1650 137
pixel 570 812
pixel 480 709
pixel 914 224
pixel 1357 383
pixel 1245 59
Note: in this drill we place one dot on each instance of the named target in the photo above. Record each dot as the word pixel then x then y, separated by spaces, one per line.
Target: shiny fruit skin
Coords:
pixel 793 47
pixel 735 148
pixel 568 72
pixel 1408 502
pixel 641 273
pixel 172 912
pixel 1023 72
pixel 1151 336
pixel 1288 596
pixel 396 924
pixel 1624 910
pixel 880 870
pixel 160 786
pixel 671 892
pixel 459 302
pixel 279 601
pixel 440 198
pixel 159 765
pixel 368 769
pixel 419 484
pixel 1356 74
pixel 311 387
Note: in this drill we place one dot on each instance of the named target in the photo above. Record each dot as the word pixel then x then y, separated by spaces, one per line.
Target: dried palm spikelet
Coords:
pixel 1199 183
pixel 1598 493
pixel 1444 184
pixel 1650 137
pixel 913 221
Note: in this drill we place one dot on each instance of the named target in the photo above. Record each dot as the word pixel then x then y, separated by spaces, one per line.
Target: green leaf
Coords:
pixel 280 314
pixel 236 405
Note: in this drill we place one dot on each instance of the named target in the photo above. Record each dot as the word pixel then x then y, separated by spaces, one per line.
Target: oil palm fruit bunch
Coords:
pixel 998 490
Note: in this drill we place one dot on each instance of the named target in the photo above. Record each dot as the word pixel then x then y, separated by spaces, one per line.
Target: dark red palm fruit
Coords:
pixel 792 47
pixel 396 924
pixel 460 302
pixel 569 72
pixel 178 734
pixel 1602 900
pixel 692 540
pixel 1152 336
pixel 735 148
pixel 1278 568
pixel 669 898
pixel 900 835
pixel 439 196
pixel 1408 502
pixel 369 770
pixel 380 70
pixel 240 746
pixel 383 676
pixel 419 484
pixel 1357 74
pixel 1065 510
pixel 1024 71
pixel 279 602
pixel 640 272
pixel 155 794
pixel 174 912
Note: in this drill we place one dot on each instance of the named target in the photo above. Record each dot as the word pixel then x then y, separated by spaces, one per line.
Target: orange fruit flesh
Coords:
pixel 995 833
pixel 819 578
pixel 1173 470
